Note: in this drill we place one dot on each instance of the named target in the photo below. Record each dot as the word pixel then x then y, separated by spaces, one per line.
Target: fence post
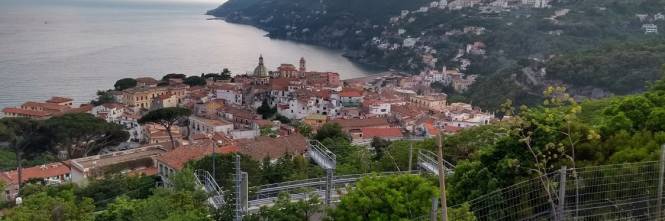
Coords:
pixel 435 209
pixel 562 195
pixel 661 176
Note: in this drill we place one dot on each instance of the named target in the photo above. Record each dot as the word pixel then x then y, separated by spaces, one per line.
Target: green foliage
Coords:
pixel 462 213
pixel 282 119
pixel 125 83
pixel 82 134
pixel 166 117
pixel 45 206
pixel 402 197
pixel 165 204
pixel 285 210
pixel 621 69
pixel 332 131
pixel 173 76
pixel 195 81
pixel 103 97
pixel 265 110
pixel 304 129
pixel 379 145
pixel 225 168
pixel 105 190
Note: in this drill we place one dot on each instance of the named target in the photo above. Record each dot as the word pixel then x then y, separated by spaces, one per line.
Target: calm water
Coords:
pixel 75 47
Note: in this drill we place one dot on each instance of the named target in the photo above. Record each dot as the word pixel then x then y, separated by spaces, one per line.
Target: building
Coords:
pixel 650 28
pixel 231 93
pixel 173 161
pixel 49 173
pixel 41 110
pixel 365 135
pixel 267 147
pixel 62 101
pixel 260 70
pixel 200 125
pixel 138 159
pixel 349 125
pixel 351 97
pixel 146 82
pixel 315 120
pixel 431 102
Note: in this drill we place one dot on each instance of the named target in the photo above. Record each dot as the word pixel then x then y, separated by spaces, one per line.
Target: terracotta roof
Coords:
pixel 147 80
pixel 59 100
pixel 431 130
pixel 47 106
pixel 381 132
pixel 262 147
pixel 452 129
pixel 113 105
pixel 43 171
pixel 177 158
pixel 360 123
pixel 26 112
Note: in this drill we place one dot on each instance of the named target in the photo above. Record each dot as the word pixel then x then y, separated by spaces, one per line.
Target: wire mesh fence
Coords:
pixel 632 191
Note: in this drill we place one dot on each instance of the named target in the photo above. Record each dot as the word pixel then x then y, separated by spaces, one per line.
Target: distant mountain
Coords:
pixel 596 48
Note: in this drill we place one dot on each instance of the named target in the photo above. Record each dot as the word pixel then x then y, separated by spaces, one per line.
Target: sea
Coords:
pixel 73 48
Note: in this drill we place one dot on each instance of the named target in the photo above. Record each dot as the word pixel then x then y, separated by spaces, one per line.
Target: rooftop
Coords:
pixel 43 171
pixel 177 158
pixel 98 161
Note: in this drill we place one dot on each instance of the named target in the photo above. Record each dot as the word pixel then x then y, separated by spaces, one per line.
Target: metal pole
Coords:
pixel 661 176
pixel 238 183
pixel 214 172
pixel 410 156
pixel 562 194
pixel 442 180
pixel 329 186
pixel 434 210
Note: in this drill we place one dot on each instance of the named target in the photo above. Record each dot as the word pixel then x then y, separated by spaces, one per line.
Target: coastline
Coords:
pixel 348 54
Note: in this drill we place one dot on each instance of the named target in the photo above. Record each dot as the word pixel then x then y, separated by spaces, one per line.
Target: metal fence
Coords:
pixel 631 191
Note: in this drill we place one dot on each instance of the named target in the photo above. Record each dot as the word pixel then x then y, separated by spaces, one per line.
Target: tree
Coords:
pixel 379 145
pixel 286 210
pixel 80 134
pixel 132 187
pixel 225 168
pixel 304 129
pixel 330 130
pixel 226 74
pixel 398 197
pixel 103 97
pixel 167 77
pixel 21 134
pixel 57 205
pixel 265 110
pixel 167 118
pixel 195 81
pixel 125 83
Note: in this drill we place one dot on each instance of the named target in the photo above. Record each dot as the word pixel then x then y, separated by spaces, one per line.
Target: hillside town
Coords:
pixel 226 117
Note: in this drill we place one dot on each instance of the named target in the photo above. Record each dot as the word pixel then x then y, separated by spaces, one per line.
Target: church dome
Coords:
pixel 261 70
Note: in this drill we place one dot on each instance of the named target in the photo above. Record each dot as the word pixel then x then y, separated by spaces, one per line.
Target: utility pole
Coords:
pixel 442 180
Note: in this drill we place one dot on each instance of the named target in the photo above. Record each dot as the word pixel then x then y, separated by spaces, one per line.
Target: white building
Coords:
pixel 199 125
pixel 410 42
pixel 230 93
pixel 650 28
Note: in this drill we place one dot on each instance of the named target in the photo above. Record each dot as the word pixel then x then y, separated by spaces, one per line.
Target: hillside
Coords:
pixel 513 38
